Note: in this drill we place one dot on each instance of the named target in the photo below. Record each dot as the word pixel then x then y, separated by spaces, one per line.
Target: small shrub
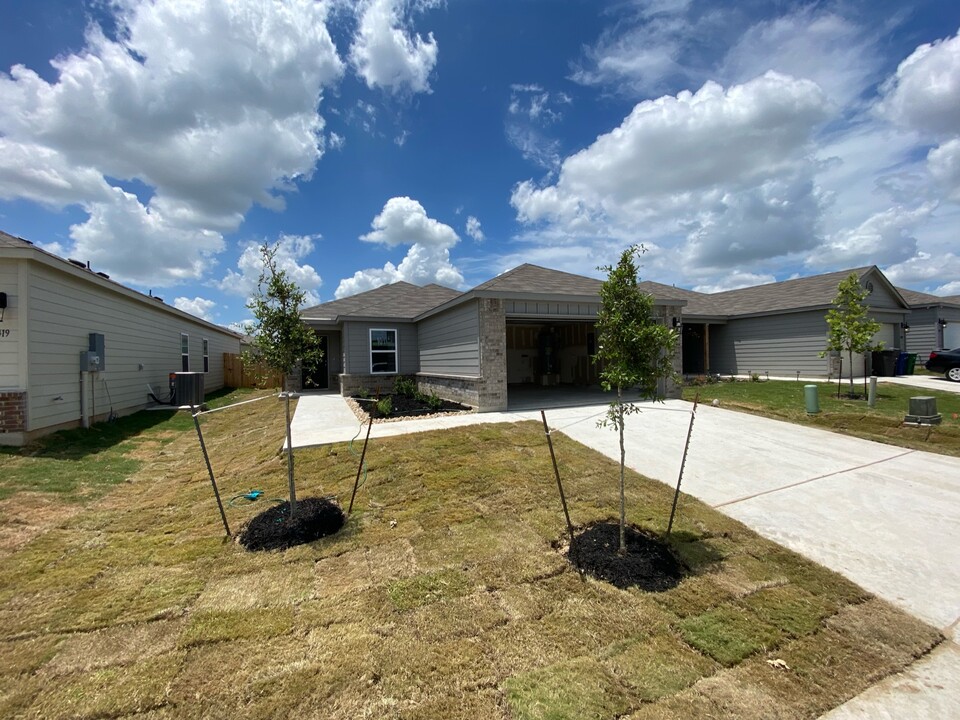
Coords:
pixel 363 393
pixel 405 386
pixel 754 377
pixel 434 401
pixel 385 406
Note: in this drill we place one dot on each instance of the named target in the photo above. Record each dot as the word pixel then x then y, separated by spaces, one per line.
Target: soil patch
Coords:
pixel 405 406
pixel 647 564
pixel 273 529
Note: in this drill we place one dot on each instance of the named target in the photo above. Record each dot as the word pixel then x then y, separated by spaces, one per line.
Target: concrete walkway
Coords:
pixel 886 517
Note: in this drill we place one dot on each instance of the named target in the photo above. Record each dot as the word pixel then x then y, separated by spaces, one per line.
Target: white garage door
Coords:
pixel 951 335
pixel 886 334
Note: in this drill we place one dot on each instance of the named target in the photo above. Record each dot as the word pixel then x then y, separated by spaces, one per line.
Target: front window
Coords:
pixel 383 351
pixel 206 355
pixel 184 352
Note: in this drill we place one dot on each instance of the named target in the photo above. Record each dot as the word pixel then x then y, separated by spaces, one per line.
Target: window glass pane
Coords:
pixel 184 344
pixel 205 347
pixel 384 362
pixel 383 339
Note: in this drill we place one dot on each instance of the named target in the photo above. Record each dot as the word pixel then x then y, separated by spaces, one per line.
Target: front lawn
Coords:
pixel 442 598
pixel 784 400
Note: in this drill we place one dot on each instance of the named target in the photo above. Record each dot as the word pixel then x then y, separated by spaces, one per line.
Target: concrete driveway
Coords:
pixel 886 517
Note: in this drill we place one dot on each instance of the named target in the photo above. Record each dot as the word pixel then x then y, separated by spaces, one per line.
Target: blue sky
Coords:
pixel 434 141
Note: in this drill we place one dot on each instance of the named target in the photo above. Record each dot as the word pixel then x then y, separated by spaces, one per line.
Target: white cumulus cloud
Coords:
pixel 209 107
pixel 291 250
pixel 198 306
pixel 404 221
pixel 473 229
pixel 387 54
pixel 663 177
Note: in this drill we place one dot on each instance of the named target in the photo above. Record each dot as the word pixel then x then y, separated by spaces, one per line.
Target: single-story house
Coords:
pixel 57 315
pixel 934 322
pixel 529 326
pixel 780 328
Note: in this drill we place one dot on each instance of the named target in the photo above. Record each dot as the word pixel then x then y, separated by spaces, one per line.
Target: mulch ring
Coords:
pixel 648 563
pixel 274 530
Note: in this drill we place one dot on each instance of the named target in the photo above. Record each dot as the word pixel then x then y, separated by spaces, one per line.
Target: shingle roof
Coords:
pixel 535 279
pixel 796 294
pixel 399 300
pixel 7 240
pixel 915 297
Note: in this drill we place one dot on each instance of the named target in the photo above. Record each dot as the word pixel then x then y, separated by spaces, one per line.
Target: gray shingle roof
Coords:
pixel 535 279
pixel 399 301
pixel 915 297
pixel 7 240
pixel 813 291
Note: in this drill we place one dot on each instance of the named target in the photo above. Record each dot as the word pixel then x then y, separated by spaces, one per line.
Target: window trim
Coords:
pixel 395 351
pixel 184 356
pixel 206 354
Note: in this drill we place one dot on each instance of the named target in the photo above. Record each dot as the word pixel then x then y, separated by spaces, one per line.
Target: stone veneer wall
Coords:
pixel 464 390
pixel 493 355
pixel 13 412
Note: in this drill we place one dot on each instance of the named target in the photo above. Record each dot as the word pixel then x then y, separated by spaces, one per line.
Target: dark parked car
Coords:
pixel 945 361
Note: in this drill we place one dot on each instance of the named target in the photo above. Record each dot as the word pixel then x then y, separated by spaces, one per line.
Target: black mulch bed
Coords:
pixel 648 563
pixel 403 406
pixel 274 530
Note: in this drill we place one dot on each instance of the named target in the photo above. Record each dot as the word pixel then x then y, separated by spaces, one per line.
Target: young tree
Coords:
pixel 282 340
pixel 634 348
pixel 850 330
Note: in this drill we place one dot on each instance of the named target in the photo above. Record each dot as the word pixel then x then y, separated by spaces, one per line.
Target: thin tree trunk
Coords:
pixel 293 487
pixel 623 455
pixel 851 372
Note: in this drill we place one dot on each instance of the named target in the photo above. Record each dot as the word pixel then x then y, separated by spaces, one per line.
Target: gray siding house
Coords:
pixel 528 326
pixel 780 328
pixel 934 322
pixel 53 306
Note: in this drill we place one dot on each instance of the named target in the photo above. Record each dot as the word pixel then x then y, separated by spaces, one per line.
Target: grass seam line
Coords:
pixel 810 480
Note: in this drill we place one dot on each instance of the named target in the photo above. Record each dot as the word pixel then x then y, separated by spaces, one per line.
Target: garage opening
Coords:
pixel 550 354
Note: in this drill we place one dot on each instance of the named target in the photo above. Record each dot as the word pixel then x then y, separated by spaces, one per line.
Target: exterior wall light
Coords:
pixel 905 327
pixel 677 323
pixel 942 322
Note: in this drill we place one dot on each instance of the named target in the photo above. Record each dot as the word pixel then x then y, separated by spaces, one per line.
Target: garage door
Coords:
pixel 951 335
pixel 886 334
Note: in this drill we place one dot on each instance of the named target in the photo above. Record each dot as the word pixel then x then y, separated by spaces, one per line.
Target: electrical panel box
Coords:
pixel 89 361
pixel 97 347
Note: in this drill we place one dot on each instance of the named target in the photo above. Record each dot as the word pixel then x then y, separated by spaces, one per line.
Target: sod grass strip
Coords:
pixel 443 596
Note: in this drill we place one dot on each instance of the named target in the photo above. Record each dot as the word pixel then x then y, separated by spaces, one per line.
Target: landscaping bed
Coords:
pixel 393 407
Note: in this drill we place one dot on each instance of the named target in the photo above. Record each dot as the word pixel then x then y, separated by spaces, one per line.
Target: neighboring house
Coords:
pixel 530 326
pixel 934 322
pixel 53 307
pixel 780 328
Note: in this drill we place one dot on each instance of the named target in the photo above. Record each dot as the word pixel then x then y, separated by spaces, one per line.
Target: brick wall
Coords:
pixel 13 412
pixel 493 355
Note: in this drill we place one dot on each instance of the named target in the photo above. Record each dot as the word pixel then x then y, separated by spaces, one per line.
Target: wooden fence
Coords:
pixel 238 375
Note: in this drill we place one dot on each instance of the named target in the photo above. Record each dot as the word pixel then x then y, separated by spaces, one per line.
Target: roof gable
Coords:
pixel 400 300
pixel 529 278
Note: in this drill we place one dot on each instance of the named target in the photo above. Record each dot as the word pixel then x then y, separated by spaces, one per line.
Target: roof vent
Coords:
pixel 158 299
pixel 103 275
pixel 78 263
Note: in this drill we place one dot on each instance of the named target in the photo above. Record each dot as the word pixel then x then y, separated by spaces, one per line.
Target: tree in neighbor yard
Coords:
pixel 849 329
pixel 634 349
pixel 282 341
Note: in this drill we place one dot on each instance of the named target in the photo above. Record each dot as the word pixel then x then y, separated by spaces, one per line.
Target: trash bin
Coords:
pixel 901 368
pixel 911 363
pixel 885 362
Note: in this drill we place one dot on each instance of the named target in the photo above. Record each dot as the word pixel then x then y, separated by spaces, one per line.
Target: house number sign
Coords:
pixel 4 333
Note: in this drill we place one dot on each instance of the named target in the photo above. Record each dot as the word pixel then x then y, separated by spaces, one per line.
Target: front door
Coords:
pixel 318 379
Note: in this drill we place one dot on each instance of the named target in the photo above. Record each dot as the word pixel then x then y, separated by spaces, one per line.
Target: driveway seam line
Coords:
pixel 810 480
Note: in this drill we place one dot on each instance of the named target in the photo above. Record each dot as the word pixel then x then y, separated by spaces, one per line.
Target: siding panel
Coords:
pixel 142 345
pixel 10 333
pixel 778 344
pixel 450 342
pixel 356 346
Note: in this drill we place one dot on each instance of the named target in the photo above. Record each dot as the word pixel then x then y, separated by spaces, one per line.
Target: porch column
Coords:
pixel 493 355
